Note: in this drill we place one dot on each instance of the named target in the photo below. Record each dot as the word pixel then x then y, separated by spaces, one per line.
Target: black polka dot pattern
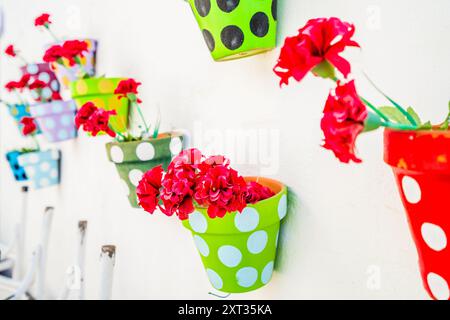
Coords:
pixel 203 7
pixel 227 5
pixel 209 40
pixel 259 24
pixel 232 37
pixel 274 9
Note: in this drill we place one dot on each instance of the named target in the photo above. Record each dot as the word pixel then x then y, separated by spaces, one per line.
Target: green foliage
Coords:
pixel 414 115
pixel 324 70
pixel 394 115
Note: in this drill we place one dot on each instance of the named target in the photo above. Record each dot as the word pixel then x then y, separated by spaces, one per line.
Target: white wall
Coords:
pixel 349 222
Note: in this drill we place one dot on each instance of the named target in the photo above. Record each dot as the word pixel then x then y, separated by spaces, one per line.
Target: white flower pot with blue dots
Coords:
pixel 41 167
pixel 56 119
pixel 238 251
pixel 134 158
pixel 42 71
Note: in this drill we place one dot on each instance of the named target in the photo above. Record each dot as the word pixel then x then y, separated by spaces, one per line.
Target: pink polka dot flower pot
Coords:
pixel 100 91
pixel 133 158
pixel 234 29
pixel 56 119
pixel 421 164
pixel 41 167
pixel 238 251
pixel 42 71
pixel 67 74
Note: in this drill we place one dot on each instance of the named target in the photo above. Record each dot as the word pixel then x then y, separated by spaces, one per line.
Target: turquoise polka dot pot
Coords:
pixel 67 73
pixel 42 167
pixel 17 170
pixel 42 71
pixel 235 29
pixel 100 91
pixel 238 251
pixel 133 159
pixel 18 111
pixel 56 119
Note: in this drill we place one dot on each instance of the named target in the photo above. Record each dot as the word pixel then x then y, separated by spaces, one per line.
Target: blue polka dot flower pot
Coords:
pixel 17 170
pixel 67 74
pixel 42 72
pixel 238 251
pixel 56 119
pixel 235 29
pixel 42 167
pixel 134 158
pixel 18 111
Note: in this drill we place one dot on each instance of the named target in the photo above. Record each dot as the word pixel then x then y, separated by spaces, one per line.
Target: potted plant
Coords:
pixel 235 29
pixel 53 115
pixel 66 71
pixel 234 220
pixel 132 153
pixel 40 167
pixel 417 151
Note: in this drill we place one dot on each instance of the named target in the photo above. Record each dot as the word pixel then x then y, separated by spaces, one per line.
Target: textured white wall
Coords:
pixel 349 224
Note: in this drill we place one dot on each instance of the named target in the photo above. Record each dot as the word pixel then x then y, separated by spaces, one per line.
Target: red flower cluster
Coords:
pixel 209 182
pixel 43 20
pixel 29 127
pixel 94 120
pixel 319 40
pixel 10 51
pixel 128 87
pixel 70 50
pixel 37 85
pixel 18 85
pixel 343 121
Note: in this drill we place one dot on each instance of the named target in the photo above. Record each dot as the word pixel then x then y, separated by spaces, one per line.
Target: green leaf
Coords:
pixel 426 126
pixel 394 115
pixel 446 124
pixel 414 115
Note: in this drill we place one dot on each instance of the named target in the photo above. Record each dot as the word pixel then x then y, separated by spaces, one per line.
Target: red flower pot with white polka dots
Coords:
pixel 421 164
pixel 42 72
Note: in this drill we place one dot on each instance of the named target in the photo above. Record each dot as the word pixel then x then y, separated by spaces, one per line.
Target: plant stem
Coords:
pixel 397 126
pixel 51 33
pixel 142 116
pixel 400 108
pixel 36 142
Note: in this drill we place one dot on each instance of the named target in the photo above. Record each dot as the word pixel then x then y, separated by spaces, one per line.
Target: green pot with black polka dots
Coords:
pixel 134 158
pixel 100 91
pixel 234 29
pixel 238 251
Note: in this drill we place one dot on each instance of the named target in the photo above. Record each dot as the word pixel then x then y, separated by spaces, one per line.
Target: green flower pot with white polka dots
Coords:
pixel 235 29
pixel 134 158
pixel 100 91
pixel 238 251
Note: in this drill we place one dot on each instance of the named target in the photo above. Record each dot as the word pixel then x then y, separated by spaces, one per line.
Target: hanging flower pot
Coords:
pixel 17 170
pixel 67 73
pixel 19 111
pixel 42 167
pixel 42 72
pixel 238 251
pixel 100 91
pixel 235 29
pixel 421 164
pixel 133 158
pixel 57 119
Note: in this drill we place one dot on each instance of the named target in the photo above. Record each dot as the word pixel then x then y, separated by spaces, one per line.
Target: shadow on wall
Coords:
pixel 286 229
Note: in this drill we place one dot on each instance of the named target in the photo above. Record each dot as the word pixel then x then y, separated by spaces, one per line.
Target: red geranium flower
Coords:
pixel 10 51
pixel 43 20
pixel 319 40
pixel 99 121
pixel 18 85
pixel 56 96
pixel 343 121
pixel 128 87
pixel 29 127
pixel 73 49
pixel 84 114
pixel 256 192
pixel 37 84
pixel 219 187
pixel 12 85
pixel 148 189
pixel 53 54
